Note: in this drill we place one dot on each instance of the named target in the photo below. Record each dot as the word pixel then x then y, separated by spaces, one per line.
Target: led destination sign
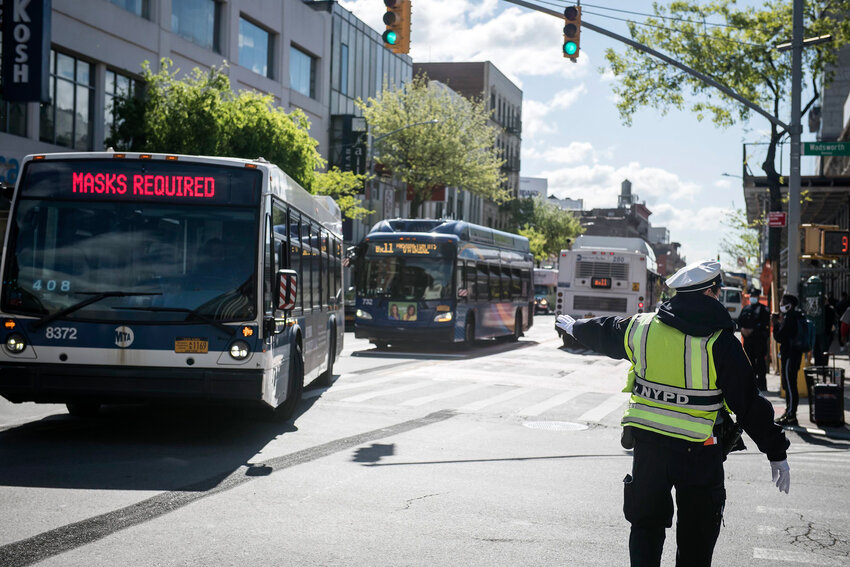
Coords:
pixel 404 249
pixel 141 180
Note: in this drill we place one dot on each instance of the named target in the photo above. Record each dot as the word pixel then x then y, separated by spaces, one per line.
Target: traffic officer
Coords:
pixel 754 322
pixel 686 368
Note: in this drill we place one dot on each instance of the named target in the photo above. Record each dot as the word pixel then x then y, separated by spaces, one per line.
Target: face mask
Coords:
pixel 784 308
pixel 754 300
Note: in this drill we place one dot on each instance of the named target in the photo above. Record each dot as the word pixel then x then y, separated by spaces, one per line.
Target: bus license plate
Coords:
pixel 193 346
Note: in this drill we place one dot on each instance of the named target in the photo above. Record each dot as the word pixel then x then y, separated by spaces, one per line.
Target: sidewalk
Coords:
pixel 840 360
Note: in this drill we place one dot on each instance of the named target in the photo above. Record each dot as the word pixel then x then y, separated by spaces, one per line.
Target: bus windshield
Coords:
pixel 406 278
pixel 196 262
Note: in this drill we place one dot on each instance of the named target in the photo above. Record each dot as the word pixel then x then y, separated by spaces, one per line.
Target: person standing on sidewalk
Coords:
pixel 754 323
pixel 687 366
pixel 786 326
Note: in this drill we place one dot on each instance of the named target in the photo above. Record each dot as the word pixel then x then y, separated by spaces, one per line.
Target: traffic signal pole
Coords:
pixel 794 129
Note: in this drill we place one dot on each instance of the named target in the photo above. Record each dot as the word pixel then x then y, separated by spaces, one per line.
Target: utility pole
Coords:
pixel 795 130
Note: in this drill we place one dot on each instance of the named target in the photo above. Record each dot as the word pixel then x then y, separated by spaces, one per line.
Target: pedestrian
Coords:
pixel 786 330
pixel 754 323
pixel 840 308
pixel 686 366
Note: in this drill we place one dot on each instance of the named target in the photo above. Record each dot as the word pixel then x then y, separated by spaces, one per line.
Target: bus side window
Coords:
pixel 495 281
pixel 516 283
pixel 305 284
pixel 527 288
pixel 482 285
pixel 460 283
pixel 316 239
pixel 506 282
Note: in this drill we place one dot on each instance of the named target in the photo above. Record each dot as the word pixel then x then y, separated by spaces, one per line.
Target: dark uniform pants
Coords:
pixel 756 348
pixel 790 369
pixel 696 471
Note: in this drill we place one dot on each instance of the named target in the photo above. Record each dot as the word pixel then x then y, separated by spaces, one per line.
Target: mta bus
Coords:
pixel 607 275
pixel 442 281
pixel 147 277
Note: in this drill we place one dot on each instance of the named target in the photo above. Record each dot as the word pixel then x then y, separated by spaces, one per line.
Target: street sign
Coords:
pixel 826 148
pixel 776 219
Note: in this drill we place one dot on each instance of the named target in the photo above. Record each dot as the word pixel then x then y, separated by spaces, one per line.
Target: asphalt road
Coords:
pixel 505 455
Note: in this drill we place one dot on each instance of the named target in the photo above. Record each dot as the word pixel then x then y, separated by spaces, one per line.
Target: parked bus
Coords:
pixel 607 275
pixel 133 277
pixel 545 290
pixel 442 281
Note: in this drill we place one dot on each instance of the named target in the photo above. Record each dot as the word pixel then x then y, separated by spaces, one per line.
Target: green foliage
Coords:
pixel 458 151
pixel 742 240
pixel 547 226
pixel 200 115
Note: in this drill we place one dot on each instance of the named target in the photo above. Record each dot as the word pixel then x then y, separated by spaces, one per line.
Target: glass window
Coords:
pixel 198 21
pixel 495 281
pixel 516 283
pixel 306 280
pixel 66 119
pixel 118 86
pixel 139 7
pixel 295 256
pixel 316 258
pixel 343 69
pixel 255 48
pixel 407 278
pixel 482 282
pixel 302 72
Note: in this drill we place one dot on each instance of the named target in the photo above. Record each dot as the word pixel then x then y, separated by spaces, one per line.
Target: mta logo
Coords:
pixel 124 336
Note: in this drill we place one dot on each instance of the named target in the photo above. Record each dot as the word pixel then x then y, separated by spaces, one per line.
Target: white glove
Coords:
pixel 781 475
pixel 565 323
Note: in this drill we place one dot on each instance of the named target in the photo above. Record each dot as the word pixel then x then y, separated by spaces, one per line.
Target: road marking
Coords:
pixel 767 530
pixel 552 402
pixel 795 557
pixel 819 514
pixel 503 397
pixel 421 401
pixel 346 387
pixel 391 391
pixel 611 404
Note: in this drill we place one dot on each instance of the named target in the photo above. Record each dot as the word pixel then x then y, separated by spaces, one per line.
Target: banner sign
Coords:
pixel 26 50
pixel 776 219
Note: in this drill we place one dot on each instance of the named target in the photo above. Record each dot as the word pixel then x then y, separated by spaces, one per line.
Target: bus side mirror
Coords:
pixel 287 289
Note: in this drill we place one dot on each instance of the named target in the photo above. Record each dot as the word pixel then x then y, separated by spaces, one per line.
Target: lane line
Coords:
pixel 421 401
pixel 552 402
pixel 611 404
pixel 503 397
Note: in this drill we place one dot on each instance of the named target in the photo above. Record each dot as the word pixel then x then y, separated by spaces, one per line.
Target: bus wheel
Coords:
pixel 286 410
pixel 83 409
pixel 517 327
pixel 381 345
pixel 469 332
pixel 326 378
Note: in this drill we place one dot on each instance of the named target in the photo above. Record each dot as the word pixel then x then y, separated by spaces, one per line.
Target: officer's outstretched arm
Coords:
pixel 605 335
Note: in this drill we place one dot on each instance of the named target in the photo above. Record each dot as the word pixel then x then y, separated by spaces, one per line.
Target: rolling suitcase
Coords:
pixel 826 394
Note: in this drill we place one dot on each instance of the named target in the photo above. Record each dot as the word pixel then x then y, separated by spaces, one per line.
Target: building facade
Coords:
pixel 533 187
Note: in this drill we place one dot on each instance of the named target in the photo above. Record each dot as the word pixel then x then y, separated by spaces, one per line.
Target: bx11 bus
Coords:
pixel 607 275
pixel 441 281
pixel 134 277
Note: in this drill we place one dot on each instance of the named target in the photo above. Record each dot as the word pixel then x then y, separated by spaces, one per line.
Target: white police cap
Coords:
pixel 696 277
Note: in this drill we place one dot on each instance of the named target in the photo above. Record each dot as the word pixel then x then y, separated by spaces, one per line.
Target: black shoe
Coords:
pixel 787 420
pixel 781 419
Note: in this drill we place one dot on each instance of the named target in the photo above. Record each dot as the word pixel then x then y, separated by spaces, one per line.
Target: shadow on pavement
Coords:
pixel 438 352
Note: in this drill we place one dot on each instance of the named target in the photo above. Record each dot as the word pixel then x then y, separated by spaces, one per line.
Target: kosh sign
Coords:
pixel 26 50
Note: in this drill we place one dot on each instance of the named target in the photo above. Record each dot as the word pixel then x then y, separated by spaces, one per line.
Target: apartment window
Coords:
pixel 343 69
pixel 139 7
pixel 66 119
pixel 118 86
pixel 255 48
pixel 198 21
pixel 302 72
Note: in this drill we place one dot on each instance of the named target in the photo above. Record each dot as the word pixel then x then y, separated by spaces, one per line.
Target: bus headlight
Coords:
pixel 15 343
pixel 544 302
pixel 360 314
pixel 444 317
pixel 239 350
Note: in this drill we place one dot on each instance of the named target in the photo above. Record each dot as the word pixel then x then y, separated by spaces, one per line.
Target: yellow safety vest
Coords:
pixel 672 380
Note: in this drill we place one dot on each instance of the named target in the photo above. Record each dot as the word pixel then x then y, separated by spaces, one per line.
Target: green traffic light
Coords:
pixel 570 48
pixel 390 37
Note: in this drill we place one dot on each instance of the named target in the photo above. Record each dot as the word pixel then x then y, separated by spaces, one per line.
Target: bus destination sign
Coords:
pixel 404 249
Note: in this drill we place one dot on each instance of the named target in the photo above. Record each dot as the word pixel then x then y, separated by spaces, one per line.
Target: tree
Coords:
pixel 736 46
pixel 457 151
pixel 547 226
pixel 742 242
pixel 201 115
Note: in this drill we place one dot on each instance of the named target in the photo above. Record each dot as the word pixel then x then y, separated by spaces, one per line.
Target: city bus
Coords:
pixel 144 277
pixel 545 288
pixel 605 276
pixel 440 281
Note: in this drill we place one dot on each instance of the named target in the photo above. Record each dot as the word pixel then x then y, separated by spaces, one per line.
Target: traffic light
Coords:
pixel 572 31
pixel 397 19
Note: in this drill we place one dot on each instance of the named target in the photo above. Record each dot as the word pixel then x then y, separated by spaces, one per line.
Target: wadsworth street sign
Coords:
pixel 776 219
pixel 826 148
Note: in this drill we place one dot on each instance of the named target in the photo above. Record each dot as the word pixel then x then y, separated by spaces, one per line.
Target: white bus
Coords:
pixel 136 277
pixel 607 275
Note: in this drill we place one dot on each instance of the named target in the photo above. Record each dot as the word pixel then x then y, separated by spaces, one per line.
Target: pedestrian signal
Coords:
pixel 572 31
pixel 397 19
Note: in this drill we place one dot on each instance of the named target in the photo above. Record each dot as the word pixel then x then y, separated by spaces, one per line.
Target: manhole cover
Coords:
pixel 555 425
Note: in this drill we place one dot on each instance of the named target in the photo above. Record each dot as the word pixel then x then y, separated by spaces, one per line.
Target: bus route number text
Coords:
pixel 406 248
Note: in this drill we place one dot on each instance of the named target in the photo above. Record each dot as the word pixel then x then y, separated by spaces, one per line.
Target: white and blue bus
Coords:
pixel 438 281
pixel 146 277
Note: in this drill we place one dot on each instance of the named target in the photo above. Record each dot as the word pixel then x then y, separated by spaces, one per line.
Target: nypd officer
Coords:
pixel 687 367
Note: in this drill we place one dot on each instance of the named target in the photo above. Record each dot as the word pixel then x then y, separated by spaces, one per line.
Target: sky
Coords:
pixel 686 171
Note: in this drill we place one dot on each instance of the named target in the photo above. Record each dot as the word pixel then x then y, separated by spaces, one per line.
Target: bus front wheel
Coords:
pixel 517 327
pixel 327 377
pixel 469 332
pixel 295 387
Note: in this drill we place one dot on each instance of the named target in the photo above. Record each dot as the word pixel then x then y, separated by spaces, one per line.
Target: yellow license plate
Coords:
pixel 194 346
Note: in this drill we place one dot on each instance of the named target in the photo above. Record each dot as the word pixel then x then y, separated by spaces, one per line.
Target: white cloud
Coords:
pixel 573 153
pixel 535 114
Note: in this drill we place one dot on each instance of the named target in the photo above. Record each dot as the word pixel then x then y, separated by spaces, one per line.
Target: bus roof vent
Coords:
pixel 409 225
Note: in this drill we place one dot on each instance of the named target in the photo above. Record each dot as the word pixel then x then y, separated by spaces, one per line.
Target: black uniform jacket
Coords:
pixel 698 315
pixel 785 332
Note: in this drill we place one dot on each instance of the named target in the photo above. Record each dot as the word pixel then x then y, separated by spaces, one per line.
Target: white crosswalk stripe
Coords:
pixel 796 557
pixel 611 404
pixel 389 392
pixel 497 399
pixel 546 405
pixel 421 401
